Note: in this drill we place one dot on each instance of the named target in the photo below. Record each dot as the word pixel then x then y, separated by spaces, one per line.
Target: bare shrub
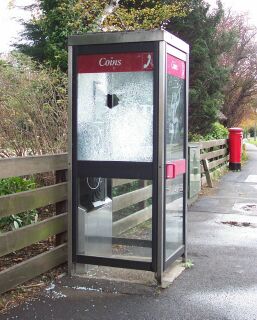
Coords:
pixel 33 108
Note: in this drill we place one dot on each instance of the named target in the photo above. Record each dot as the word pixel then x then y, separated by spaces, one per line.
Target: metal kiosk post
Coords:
pixel 128 120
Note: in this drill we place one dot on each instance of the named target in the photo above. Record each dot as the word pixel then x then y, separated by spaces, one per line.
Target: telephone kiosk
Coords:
pixel 128 94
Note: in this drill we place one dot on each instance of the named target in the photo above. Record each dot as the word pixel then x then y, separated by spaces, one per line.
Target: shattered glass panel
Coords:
pixel 115 116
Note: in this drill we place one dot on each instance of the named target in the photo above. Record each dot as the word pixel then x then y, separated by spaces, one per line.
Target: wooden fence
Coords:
pixel 213 157
pixel 12 204
pixel 23 237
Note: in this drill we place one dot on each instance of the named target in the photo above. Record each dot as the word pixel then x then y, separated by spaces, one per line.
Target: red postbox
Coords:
pixel 235 148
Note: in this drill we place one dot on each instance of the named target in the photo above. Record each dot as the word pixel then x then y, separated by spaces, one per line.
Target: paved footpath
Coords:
pixel 221 285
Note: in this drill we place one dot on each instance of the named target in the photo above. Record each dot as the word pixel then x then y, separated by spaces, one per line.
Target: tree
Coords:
pixel 241 89
pixel 47 34
pixel 249 119
pixel 207 76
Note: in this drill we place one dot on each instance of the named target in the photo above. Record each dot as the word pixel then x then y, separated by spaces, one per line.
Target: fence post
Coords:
pixel 61 207
pixel 207 173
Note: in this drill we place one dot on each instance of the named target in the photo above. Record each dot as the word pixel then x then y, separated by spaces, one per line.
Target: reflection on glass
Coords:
pixel 115 116
pixel 175 132
pixel 109 226
pixel 174 214
pixel 194 171
pixel 175 117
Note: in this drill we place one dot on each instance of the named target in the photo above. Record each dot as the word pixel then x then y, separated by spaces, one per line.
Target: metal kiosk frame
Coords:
pixel 160 43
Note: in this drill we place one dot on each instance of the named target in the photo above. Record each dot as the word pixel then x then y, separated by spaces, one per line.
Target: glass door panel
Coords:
pixel 114 123
pixel 175 157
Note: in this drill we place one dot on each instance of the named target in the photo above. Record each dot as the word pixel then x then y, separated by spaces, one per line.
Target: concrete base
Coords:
pixel 172 273
pixel 145 278
pixel 119 275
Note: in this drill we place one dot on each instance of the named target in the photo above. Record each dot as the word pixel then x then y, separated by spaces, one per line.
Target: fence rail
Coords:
pixel 18 239
pixel 28 200
pixel 22 166
pixel 33 267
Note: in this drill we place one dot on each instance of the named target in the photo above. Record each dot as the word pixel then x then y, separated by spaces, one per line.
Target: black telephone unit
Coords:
pixel 93 192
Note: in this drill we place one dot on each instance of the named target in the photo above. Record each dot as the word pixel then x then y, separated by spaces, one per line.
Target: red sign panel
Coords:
pixel 115 62
pixel 176 67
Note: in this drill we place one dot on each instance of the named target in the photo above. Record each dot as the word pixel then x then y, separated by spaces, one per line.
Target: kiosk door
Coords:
pixel 113 156
pixel 175 132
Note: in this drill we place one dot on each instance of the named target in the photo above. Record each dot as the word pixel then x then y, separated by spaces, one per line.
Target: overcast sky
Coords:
pixel 248 6
pixel 10 27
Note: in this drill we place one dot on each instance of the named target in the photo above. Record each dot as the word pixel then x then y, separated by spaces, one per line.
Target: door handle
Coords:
pixel 175 168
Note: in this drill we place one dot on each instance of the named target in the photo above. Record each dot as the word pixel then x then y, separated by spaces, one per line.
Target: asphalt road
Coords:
pixel 221 285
